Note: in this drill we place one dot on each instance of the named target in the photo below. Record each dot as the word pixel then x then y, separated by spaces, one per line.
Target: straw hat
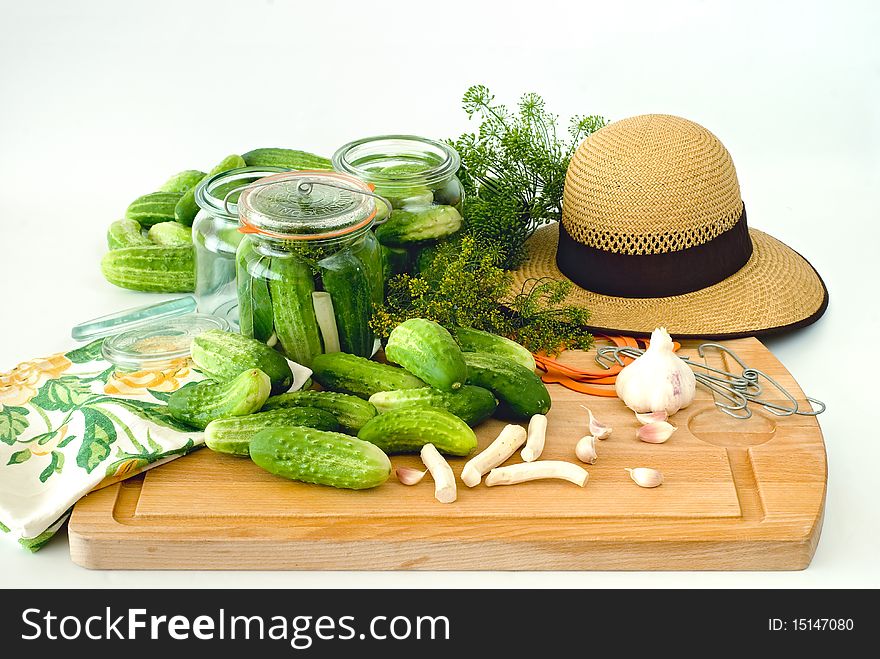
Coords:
pixel 654 233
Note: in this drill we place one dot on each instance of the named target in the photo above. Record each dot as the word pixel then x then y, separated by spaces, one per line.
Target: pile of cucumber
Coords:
pixel 441 386
pixel 151 248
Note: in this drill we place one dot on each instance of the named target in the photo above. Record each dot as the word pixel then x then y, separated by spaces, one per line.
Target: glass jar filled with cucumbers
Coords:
pixel 419 178
pixel 309 268
pixel 216 238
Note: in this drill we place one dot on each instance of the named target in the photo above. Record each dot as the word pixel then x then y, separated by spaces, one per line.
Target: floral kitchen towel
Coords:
pixel 72 423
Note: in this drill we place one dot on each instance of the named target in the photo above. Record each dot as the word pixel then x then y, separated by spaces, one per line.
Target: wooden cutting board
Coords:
pixel 738 495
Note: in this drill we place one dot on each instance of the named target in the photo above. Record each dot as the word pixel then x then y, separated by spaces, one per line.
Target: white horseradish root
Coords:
pixel 510 439
pixel 537 435
pixel 441 472
pixel 530 471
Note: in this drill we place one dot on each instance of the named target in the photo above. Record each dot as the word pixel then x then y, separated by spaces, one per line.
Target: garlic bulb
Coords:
pixel 658 380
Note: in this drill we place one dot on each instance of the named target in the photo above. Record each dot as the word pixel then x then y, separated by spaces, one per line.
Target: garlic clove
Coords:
pixel 656 433
pixel 585 449
pixel 651 417
pixel 598 429
pixel 645 477
pixel 409 476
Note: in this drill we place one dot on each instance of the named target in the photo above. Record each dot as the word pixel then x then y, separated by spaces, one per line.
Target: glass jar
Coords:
pixel 216 238
pixel 416 175
pixel 309 267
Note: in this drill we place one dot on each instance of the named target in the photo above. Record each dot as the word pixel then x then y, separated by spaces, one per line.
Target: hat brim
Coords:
pixel 775 291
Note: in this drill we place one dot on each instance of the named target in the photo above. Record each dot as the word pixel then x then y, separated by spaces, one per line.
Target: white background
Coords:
pixel 101 101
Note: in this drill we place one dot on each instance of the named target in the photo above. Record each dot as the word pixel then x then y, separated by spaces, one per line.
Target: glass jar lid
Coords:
pixel 307 205
pixel 398 160
pixel 211 194
pixel 160 343
pixel 129 319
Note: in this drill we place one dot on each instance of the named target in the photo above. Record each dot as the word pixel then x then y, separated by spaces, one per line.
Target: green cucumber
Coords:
pixel 470 404
pixel 153 208
pixel 409 228
pixel 199 404
pixel 151 268
pixel 317 456
pixel 471 340
pixel 345 279
pixel 255 318
pixel 362 377
pixel 223 356
pixel 351 412
pixel 396 260
pixel 186 209
pixel 520 392
pixel 408 429
pixel 424 258
pixel 182 181
pixel 170 234
pixel 428 351
pixel 369 251
pixel 291 291
pixel 286 158
pixel 409 193
pixel 126 233
pixel 233 435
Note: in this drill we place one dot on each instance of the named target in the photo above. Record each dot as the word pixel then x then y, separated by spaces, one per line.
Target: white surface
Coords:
pixel 101 101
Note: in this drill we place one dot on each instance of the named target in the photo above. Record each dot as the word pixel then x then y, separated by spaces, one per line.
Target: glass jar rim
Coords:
pixel 217 206
pixel 346 160
pixel 353 216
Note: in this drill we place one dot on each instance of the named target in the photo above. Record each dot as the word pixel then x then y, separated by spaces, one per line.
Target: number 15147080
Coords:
pixel 810 624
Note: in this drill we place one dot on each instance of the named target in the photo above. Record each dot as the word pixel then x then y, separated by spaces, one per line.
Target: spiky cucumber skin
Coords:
pixel 170 234
pixel 351 412
pixel 199 404
pixel 520 392
pixel 320 457
pixel 223 356
pixel 472 340
pixel 151 268
pixel 153 208
pixel 294 313
pixel 428 351
pixel 408 429
pixel 472 405
pixel 126 233
pixel 233 435
pixel 183 181
pixel 350 374
pixel 287 158
pixel 405 228
pixel 186 209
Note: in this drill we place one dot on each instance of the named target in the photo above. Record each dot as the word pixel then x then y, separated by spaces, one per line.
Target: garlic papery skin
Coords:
pixel 597 429
pixel 585 450
pixel 645 477
pixel 656 433
pixel 658 380
pixel 409 476
pixel 651 417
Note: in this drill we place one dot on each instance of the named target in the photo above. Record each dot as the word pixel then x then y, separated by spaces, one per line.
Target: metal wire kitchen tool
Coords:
pixel 739 390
